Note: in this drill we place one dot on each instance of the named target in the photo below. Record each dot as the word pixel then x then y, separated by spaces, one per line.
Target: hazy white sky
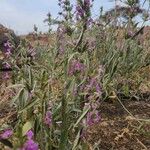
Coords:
pixel 21 15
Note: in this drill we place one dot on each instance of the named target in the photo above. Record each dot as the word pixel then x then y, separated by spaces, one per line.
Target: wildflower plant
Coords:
pixel 59 91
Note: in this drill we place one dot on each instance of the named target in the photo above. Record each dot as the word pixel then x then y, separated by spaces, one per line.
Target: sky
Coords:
pixel 21 15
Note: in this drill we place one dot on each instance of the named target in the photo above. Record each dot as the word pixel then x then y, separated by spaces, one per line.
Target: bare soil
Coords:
pixel 118 130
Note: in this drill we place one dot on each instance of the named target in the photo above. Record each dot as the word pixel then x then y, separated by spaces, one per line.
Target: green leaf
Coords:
pixel 29 105
pixel 15 86
pixel 27 126
pixel 30 77
pixel 17 96
pixel 57 110
pixel 76 141
pixel 82 116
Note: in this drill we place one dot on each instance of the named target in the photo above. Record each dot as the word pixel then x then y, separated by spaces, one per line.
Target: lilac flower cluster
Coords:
pixel 6 65
pixel 93 116
pixel 8 48
pixel 30 144
pixel 75 67
pixel 79 12
pixel 83 11
pixel 6 76
pixel 66 9
pixel 91 87
pixel 48 118
pixel 6 134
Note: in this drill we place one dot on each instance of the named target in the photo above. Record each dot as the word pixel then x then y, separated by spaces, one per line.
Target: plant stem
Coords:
pixel 64 129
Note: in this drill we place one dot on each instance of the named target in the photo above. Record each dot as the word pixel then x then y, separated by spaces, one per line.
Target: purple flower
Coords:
pixel 79 12
pixel 30 145
pixel 87 3
pixel 91 89
pixel 48 118
pixel 93 117
pixel 7 44
pixel 94 85
pixel 76 66
pixel 30 134
pixel 6 65
pixel 89 22
pixel 6 134
pixel 6 76
pixel 66 7
pixel 83 10
pixel 8 53
pixel 8 48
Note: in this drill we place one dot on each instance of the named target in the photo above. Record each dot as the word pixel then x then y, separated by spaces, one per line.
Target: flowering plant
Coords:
pixel 60 87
